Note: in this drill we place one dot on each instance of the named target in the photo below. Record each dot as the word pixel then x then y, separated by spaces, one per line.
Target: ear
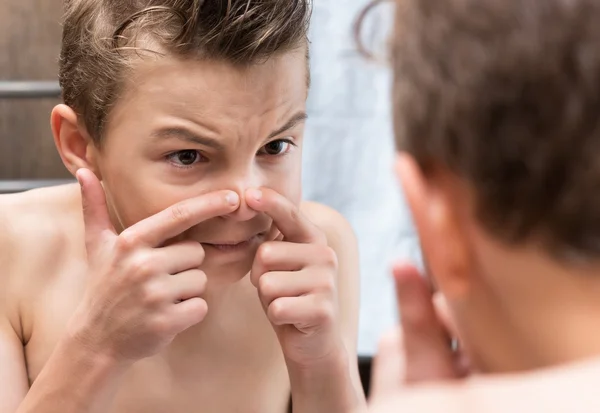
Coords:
pixel 435 214
pixel 75 146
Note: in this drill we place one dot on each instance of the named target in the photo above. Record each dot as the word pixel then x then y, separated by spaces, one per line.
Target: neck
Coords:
pixel 548 313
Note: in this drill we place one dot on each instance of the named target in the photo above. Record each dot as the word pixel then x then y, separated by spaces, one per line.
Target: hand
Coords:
pixel 419 350
pixel 296 277
pixel 141 294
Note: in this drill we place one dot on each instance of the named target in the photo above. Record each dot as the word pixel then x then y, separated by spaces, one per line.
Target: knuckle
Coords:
pixel 276 311
pixel 127 241
pixel 198 311
pixel 142 266
pixel 328 284
pixel 153 295
pixel 266 285
pixel 180 212
pixel 265 253
pixel 202 281
pixel 324 314
pixel 330 257
pixel 160 326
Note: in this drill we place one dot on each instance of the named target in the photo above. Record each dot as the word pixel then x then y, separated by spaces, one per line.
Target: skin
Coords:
pixel 118 294
pixel 414 370
pixel 493 289
pixel 526 323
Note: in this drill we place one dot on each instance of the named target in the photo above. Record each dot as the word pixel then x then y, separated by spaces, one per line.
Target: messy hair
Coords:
pixel 506 94
pixel 101 38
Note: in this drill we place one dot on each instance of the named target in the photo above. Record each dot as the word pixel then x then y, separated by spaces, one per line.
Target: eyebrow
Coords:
pixel 294 120
pixel 188 136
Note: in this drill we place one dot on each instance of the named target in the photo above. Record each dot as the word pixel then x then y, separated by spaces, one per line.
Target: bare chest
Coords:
pixel 231 362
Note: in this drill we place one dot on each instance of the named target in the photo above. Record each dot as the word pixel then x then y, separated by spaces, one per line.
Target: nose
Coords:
pixel 240 183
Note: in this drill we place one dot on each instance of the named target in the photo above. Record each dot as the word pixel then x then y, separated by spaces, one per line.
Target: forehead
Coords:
pixel 214 88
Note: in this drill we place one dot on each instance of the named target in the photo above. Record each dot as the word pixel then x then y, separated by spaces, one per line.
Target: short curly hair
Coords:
pixel 101 38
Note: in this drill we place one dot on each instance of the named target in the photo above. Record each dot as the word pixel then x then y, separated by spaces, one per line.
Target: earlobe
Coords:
pixel 433 205
pixel 72 142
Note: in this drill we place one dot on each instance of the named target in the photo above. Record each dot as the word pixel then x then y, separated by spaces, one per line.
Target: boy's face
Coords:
pixel 185 128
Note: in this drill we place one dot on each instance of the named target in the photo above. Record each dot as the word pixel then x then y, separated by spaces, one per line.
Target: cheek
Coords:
pixel 288 185
pixel 137 187
pixel 135 197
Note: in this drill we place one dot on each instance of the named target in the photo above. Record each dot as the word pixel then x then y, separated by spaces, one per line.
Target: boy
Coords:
pixel 496 119
pixel 183 274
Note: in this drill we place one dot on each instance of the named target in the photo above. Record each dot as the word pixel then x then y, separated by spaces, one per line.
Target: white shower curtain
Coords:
pixel 348 157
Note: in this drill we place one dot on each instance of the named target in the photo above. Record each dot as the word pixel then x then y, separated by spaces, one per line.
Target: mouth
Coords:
pixel 235 245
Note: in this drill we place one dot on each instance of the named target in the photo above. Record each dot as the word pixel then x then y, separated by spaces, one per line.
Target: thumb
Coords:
pixel 95 212
pixel 428 354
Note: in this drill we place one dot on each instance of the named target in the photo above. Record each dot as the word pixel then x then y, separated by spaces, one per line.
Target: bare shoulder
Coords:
pixel 342 240
pixel 33 225
pixel 27 216
pixel 338 230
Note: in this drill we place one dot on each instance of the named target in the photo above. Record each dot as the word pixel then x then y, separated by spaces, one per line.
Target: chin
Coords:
pixel 227 268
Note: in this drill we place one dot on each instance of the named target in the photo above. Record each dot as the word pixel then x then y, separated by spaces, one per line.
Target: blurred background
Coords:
pixel 30 41
pixel 349 150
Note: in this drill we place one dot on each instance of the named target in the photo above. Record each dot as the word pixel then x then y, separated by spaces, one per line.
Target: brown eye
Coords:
pixel 275 148
pixel 185 158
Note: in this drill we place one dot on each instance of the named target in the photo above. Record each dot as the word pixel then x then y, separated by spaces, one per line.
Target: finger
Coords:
pixel 286 256
pixel 95 212
pixel 462 362
pixel 426 342
pixel 294 226
pixel 274 234
pixel 388 365
pixel 173 221
pixel 179 257
pixel 273 285
pixel 187 314
pixel 186 285
pixel 443 313
pixel 305 312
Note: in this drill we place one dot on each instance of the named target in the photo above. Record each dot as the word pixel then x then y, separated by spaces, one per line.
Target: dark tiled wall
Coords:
pixel 29 47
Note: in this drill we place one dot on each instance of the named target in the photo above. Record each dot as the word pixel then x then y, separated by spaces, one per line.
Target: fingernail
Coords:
pixel 232 198
pixel 255 193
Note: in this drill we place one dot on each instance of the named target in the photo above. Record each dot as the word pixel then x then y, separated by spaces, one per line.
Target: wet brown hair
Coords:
pixel 506 94
pixel 102 38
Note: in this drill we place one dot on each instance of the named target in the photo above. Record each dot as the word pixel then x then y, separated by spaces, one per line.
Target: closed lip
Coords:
pixel 235 243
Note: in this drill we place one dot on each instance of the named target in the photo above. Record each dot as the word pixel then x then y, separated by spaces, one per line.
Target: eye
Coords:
pixel 278 147
pixel 185 158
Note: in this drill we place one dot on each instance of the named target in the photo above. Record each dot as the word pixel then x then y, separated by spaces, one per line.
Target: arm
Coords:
pixel 13 373
pixel 337 382
pixel 72 381
pixel 102 341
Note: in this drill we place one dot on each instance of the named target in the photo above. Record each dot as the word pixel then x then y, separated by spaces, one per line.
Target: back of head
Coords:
pixel 103 38
pixel 505 94
pixel 500 98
